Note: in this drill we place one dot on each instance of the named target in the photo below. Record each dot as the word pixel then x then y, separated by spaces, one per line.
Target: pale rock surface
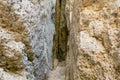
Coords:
pixel 57 74
pixel 26 39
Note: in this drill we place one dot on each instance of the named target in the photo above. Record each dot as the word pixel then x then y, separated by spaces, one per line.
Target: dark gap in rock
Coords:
pixel 61 32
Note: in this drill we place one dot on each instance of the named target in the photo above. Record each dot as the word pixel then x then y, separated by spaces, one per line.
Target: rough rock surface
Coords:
pixel 26 39
pixel 94 40
pixel 69 40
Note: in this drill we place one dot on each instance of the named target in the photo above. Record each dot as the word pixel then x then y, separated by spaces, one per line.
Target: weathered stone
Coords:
pixel 93 40
pixel 86 44
pixel 26 39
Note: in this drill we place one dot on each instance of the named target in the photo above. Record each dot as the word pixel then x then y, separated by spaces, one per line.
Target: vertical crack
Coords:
pixel 61 32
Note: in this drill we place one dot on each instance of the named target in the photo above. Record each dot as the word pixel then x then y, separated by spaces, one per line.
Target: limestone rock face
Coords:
pixel 94 39
pixel 26 39
pixel 59 39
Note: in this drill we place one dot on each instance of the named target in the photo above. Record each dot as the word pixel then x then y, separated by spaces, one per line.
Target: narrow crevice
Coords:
pixel 61 32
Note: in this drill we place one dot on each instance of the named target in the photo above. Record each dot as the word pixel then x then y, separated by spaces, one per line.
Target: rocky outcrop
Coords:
pixel 93 39
pixel 59 40
pixel 26 39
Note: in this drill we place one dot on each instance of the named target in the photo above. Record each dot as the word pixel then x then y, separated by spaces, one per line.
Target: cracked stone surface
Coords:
pixel 90 47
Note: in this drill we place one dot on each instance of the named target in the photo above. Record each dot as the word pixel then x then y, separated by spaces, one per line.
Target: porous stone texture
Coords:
pixel 86 44
pixel 26 39
pixel 94 40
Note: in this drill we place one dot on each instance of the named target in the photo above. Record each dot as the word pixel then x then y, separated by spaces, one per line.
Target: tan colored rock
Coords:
pixel 86 44
pixel 94 40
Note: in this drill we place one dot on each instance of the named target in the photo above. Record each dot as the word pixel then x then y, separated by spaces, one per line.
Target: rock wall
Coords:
pixel 93 41
pixel 59 39
pixel 26 39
